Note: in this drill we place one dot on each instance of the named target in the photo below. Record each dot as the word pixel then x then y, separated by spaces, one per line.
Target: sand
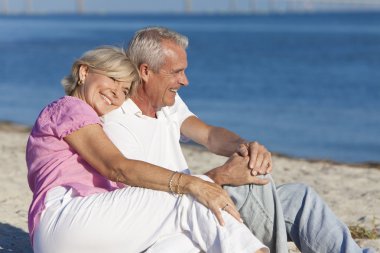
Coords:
pixel 352 191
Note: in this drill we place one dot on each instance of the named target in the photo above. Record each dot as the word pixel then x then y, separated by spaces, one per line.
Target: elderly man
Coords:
pixel 149 126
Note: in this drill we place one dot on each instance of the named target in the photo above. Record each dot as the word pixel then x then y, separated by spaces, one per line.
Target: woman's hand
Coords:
pixel 212 196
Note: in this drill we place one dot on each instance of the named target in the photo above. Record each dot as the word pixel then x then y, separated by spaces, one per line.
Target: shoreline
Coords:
pixel 368 165
pixel 10 126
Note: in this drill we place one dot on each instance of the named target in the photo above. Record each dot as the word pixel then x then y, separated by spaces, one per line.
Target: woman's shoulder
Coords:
pixel 65 101
pixel 64 107
pixel 65 115
pixel 66 104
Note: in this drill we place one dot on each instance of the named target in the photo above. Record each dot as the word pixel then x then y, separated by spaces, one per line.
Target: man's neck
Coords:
pixel 143 103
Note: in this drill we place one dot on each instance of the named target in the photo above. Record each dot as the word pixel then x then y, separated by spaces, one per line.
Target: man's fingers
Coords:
pixel 269 170
pixel 243 150
pixel 260 181
pixel 254 173
pixel 266 165
pixel 259 164
pixel 253 151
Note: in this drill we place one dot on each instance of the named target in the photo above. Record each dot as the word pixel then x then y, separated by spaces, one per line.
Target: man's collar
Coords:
pixel 130 107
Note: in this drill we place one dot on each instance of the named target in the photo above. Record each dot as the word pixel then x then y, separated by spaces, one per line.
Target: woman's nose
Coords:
pixel 119 94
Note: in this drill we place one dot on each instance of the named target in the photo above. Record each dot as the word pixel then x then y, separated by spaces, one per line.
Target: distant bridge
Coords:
pixel 28 6
pixel 254 6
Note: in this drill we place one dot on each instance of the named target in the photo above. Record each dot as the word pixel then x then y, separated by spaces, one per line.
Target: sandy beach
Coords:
pixel 352 191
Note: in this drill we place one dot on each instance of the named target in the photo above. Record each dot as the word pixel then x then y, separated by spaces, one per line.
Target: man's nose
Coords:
pixel 184 81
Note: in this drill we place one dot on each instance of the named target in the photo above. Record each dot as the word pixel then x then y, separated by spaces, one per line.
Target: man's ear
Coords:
pixel 144 72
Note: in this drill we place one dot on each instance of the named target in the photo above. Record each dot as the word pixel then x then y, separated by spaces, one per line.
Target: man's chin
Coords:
pixel 170 102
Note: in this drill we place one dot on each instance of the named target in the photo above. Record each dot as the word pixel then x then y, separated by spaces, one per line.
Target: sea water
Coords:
pixel 306 85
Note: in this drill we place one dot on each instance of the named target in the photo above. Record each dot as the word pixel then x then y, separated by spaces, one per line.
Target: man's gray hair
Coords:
pixel 145 46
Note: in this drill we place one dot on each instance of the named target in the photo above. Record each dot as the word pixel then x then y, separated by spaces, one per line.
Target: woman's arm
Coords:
pixel 94 146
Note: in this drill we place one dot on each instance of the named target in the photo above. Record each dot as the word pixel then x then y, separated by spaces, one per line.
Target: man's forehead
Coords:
pixel 175 58
pixel 169 52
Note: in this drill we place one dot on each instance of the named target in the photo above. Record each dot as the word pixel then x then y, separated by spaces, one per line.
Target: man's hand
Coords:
pixel 260 159
pixel 235 172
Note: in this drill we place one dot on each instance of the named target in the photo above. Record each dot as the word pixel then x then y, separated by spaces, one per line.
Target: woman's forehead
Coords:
pixel 125 83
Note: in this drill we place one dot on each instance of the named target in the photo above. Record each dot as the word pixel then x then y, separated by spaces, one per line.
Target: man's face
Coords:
pixel 162 86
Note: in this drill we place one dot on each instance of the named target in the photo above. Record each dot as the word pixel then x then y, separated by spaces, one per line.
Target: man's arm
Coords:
pixel 224 142
pixel 218 140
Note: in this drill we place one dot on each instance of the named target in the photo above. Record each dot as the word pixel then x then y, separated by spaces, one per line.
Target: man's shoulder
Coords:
pixel 128 108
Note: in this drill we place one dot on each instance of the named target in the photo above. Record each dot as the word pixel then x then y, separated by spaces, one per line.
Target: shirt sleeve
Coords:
pixel 182 110
pixel 71 114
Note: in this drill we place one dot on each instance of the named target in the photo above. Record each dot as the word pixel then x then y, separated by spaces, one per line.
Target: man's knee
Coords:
pixel 258 194
pixel 296 196
pixel 296 189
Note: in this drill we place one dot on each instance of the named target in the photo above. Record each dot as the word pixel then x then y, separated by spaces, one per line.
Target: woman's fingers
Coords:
pixel 231 209
pixel 216 199
pixel 218 215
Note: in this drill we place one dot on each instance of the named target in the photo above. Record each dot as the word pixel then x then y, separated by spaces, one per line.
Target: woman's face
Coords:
pixel 101 92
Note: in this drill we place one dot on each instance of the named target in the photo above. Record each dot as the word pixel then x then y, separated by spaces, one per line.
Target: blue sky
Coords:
pixel 140 6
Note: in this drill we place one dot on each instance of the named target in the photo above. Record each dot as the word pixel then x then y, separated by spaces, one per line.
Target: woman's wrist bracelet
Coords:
pixel 171 182
pixel 175 189
pixel 178 184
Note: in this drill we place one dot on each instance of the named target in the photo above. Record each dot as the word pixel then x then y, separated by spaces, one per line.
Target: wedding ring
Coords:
pixel 224 208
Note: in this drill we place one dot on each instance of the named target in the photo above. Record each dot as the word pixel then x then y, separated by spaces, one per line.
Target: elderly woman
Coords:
pixel 87 197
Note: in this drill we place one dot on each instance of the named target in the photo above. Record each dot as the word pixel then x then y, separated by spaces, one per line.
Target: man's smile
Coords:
pixel 175 90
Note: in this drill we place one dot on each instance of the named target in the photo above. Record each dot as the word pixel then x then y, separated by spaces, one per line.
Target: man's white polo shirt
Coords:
pixel 153 140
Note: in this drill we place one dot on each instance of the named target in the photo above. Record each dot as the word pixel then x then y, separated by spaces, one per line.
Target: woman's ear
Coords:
pixel 83 70
pixel 144 72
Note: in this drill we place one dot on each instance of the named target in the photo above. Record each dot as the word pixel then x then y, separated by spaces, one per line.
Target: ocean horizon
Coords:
pixel 304 85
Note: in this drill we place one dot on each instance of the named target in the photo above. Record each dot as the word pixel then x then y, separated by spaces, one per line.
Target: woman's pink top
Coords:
pixel 52 162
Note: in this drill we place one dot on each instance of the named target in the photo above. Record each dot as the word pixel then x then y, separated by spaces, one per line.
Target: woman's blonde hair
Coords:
pixel 111 61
